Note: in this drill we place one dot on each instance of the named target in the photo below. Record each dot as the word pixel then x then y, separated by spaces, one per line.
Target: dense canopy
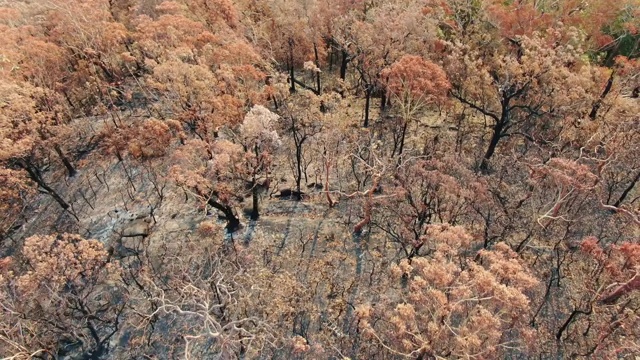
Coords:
pixel 314 179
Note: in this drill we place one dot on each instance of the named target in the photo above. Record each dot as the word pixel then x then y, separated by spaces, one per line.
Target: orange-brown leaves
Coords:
pixel 143 140
pixel 151 139
pixel 448 239
pixel 515 19
pixel 14 192
pixel 209 170
pixel 417 78
pixel 60 260
pixel 453 305
pixel 215 13
pixel 429 192
pixel 564 173
pixel 64 287
pixel 19 120
pixel 170 36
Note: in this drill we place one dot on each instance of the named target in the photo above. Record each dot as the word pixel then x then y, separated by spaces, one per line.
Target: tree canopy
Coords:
pixel 307 179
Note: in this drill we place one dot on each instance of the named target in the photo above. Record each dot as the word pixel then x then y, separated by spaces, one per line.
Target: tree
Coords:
pixel 302 118
pixel 40 66
pixel 143 144
pixel 63 296
pixel 416 83
pixel 291 41
pixel 532 88
pixel 208 82
pixel 29 134
pixel 13 198
pixel 519 243
pixel 92 45
pixel 211 172
pixel 424 193
pixel 357 36
pixel 601 316
pixel 259 140
pixel 451 305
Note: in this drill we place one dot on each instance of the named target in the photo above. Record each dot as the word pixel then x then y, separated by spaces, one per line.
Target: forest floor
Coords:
pixel 111 198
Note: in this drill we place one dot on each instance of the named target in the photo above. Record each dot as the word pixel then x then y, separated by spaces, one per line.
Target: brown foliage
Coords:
pixel 64 289
pixel 500 225
pixel 451 305
pixel 413 78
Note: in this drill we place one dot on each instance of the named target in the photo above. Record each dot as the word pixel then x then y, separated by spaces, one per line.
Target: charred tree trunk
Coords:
pixel 110 76
pixel 291 71
pixel 71 171
pixel 343 64
pixel 129 178
pixel 331 59
pixel 575 313
pixel 233 223
pixel 402 136
pixel 298 169
pixel 628 189
pixel 34 174
pixel 503 121
pixel 495 138
pixel 292 88
pixel 367 104
pixel 501 125
pixel 255 210
pixel 598 103
pixel 299 138
pixel 68 98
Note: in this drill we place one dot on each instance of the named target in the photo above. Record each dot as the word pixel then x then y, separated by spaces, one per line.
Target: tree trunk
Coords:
pixel 331 60
pixel 71 171
pixel 109 75
pixel 383 100
pixel 598 103
pixel 315 51
pixel 233 223
pixel 626 191
pixel 66 96
pixel 299 170
pixel 255 211
pixel 292 88
pixel 55 196
pixel 34 174
pixel 367 104
pixel 495 138
pixel 569 320
pixel 402 136
pixel 129 179
pixel 343 64
pixel 291 72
